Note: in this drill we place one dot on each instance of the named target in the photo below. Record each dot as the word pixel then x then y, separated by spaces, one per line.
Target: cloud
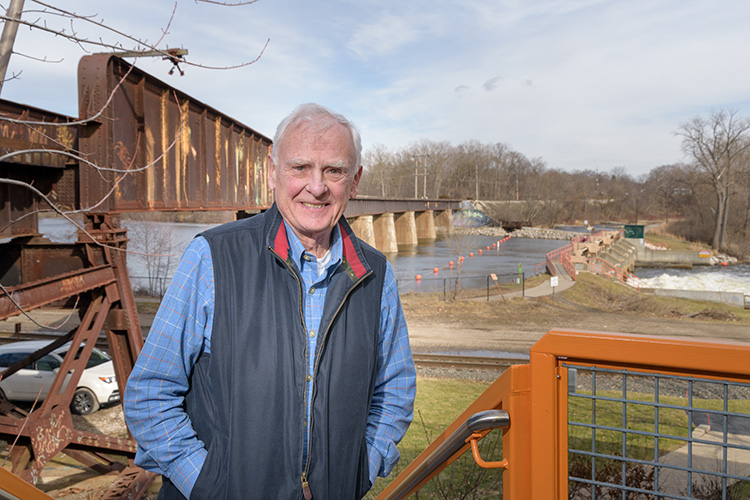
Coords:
pixel 492 83
pixel 383 36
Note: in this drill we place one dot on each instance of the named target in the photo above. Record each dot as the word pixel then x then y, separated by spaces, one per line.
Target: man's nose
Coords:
pixel 316 184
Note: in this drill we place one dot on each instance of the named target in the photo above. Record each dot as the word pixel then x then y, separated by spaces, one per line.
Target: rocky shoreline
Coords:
pixel 525 232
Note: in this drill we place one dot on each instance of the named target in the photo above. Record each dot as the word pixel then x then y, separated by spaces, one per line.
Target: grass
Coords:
pixel 600 294
pixel 671 242
pixel 591 294
pixel 439 402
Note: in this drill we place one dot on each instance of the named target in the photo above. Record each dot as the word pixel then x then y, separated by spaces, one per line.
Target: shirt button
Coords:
pixel 306 257
pixel 312 290
pixel 308 378
pixel 312 333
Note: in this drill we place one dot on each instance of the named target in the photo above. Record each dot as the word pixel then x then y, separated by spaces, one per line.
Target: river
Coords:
pixel 503 260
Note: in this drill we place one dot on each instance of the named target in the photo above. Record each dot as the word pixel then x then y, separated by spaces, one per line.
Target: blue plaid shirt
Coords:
pixel 155 394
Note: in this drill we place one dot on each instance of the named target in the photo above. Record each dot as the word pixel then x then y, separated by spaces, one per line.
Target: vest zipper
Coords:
pixel 321 340
pixel 306 492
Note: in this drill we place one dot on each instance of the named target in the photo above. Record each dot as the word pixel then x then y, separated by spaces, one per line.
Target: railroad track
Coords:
pixel 421 359
pixel 472 362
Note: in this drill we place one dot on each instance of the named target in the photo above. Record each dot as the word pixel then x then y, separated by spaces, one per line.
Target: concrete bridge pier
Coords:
pixel 363 228
pixel 389 231
pixel 385 233
pixel 406 229
pixel 444 223
pixel 426 226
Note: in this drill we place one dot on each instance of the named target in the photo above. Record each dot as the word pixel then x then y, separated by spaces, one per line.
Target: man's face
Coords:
pixel 314 179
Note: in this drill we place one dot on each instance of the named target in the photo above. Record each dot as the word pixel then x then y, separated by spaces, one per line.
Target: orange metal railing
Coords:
pixel 607 270
pixel 535 445
pixel 12 486
pixel 562 254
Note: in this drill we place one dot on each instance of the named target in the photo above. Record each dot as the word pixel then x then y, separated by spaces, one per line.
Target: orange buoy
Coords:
pixel 435 270
pixel 418 277
pixel 724 264
pixel 450 264
pixel 488 247
pixel 461 258
pixel 493 245
pixel 471 254
pixel 480 251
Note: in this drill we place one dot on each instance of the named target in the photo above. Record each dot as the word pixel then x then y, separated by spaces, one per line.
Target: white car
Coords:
pixel 97 386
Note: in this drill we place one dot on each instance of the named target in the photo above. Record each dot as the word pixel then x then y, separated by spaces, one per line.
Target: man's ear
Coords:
pixel 355 185
pixel 271 173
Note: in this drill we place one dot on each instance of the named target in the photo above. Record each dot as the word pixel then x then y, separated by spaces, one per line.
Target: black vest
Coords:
pixel 246 398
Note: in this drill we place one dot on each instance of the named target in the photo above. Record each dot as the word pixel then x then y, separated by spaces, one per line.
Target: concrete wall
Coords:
pixel 732 298
pixel 687 258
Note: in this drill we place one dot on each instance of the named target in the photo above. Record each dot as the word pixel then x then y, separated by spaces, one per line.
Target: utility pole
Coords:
pixel 476 181
pixel 423 157
pixel 9 36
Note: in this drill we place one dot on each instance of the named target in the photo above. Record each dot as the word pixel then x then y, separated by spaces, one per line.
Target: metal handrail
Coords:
pixel 479 422
pixel 603 267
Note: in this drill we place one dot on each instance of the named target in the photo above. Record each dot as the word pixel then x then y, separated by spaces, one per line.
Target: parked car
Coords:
pixel 97 386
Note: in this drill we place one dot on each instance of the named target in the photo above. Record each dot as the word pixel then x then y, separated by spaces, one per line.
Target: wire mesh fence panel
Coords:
pixel 638 435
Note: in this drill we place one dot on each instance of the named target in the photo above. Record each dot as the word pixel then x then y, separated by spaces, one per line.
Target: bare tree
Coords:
pixel 718 145
pixel 157 249
pixel 60 23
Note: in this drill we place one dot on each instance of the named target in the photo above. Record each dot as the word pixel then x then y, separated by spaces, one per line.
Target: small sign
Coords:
pixel 493 276
pixel 704 254
pixel 554 281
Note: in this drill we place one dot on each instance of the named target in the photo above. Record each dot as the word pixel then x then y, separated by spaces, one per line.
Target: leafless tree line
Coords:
pixel 706 197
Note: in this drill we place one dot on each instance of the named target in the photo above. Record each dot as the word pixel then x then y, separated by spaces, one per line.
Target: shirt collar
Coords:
pixel 297 251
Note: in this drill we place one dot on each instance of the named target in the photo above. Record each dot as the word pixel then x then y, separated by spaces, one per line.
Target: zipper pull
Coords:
pixel 306 492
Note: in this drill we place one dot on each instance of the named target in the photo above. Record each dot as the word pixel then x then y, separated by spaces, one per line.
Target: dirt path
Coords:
pixel 427 336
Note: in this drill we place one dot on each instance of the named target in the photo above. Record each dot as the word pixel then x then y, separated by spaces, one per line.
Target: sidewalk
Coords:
pixel 543 289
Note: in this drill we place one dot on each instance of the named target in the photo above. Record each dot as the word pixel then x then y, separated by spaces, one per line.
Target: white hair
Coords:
pixel 321 117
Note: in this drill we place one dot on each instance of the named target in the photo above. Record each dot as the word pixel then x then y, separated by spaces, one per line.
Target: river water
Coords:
pixel 505 260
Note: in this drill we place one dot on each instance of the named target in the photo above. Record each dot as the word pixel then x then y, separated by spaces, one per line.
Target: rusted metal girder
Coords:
pixel 109 307
pixel 372 206
pixel 30 154
pixel 42 292
pixel 163 149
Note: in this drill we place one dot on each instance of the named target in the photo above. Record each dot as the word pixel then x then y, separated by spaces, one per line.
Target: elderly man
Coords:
pixel 278 365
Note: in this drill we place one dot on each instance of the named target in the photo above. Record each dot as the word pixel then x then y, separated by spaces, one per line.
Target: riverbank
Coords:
pixel 525 232
pixel 593 304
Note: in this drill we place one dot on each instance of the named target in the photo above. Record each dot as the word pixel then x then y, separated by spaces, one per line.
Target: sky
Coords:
pixel 581 84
